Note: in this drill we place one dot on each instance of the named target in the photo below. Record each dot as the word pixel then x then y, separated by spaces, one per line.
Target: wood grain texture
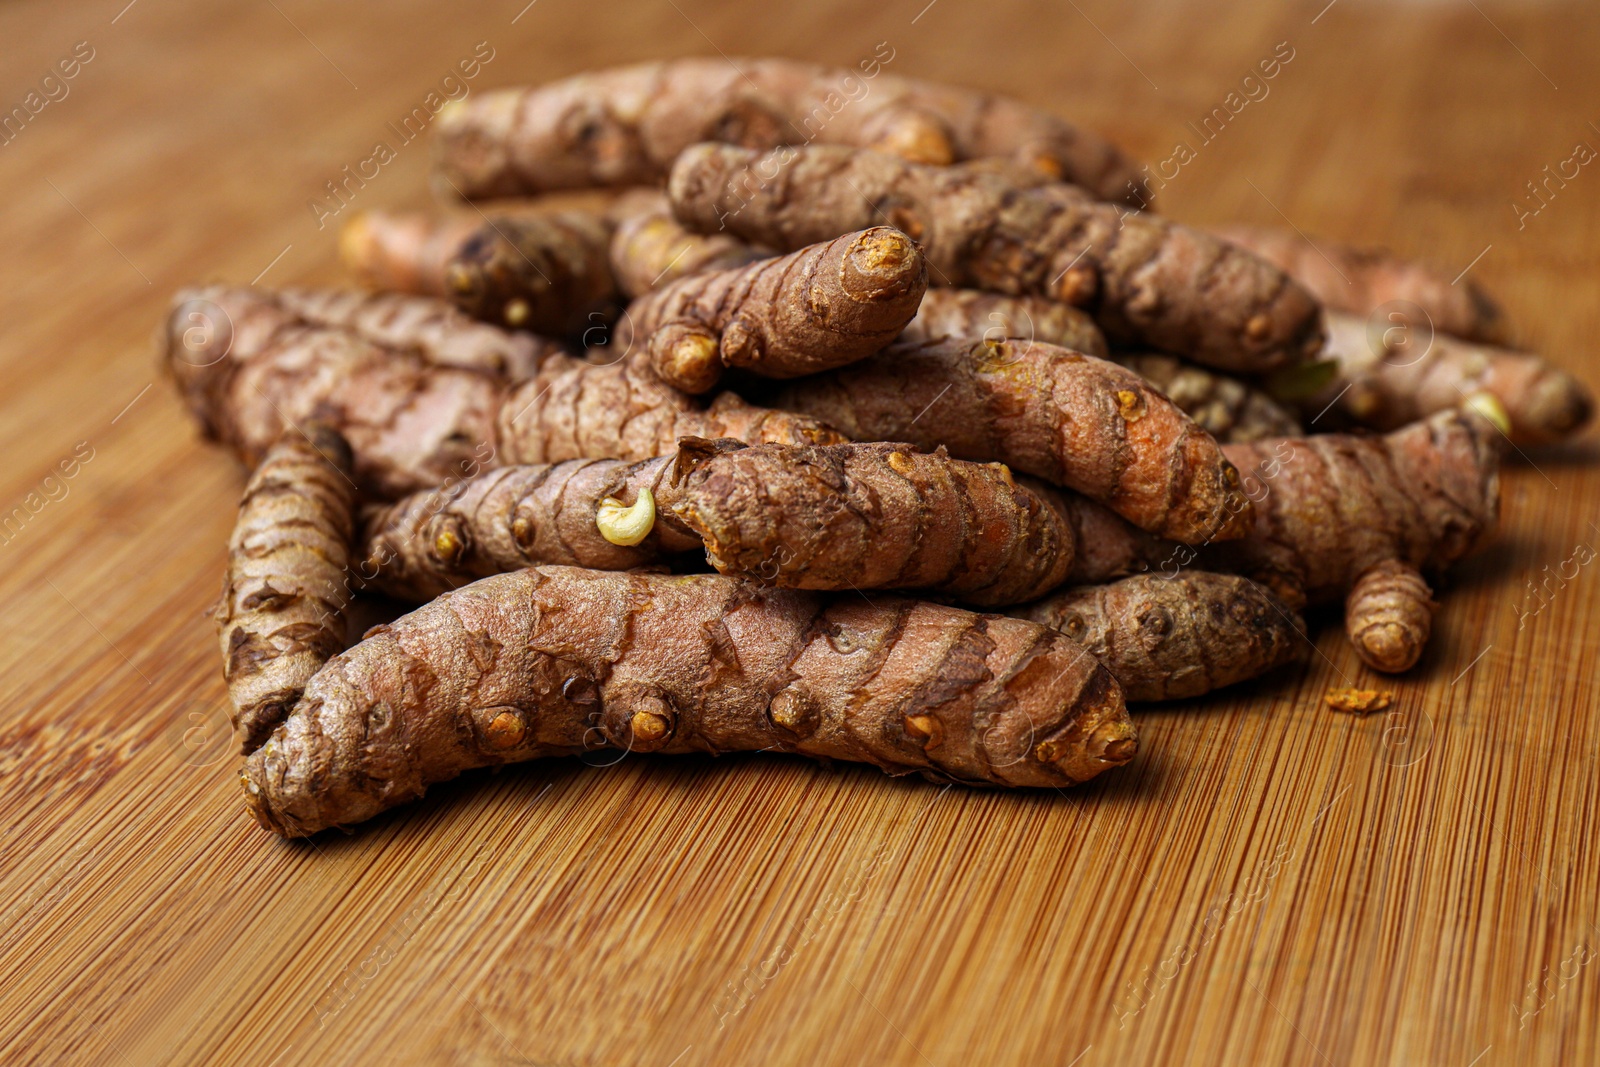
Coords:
pixel 1267 883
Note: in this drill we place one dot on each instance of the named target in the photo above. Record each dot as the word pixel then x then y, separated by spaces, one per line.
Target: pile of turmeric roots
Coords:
pixel 895 436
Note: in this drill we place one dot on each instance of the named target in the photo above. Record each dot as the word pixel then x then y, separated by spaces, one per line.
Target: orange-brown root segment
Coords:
pixel 1331 507
pixel 280 612
pixel 509 518
pixel 624 126
pixel 840 517
pixel 651 248
pixel 1147 281
pixel 997 317
pixel 1225 407
pixel 1173 638
pixel 249 367
pixel 870 516
pixel 433 329
pixel 812 310
pixel 1389 377
pixel 1389 615
pixel 1070 419
pixel 1360 280
pixel 551 661
pixel 546 272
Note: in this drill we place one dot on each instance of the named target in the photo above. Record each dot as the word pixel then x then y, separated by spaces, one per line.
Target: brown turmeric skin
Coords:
pixel 821 307
pixel 624 126
pixel 1147 281
pixel 650 248
pixel 435 330
pixel 555 661
pixel 1070 419
pixel 281 610
pixel 546 272
pixel 840 517
pixel 1387 378
pixel 1174 638
pixel 255 368
pixel 1224 407
pixel 1340 517
pixel 1360 280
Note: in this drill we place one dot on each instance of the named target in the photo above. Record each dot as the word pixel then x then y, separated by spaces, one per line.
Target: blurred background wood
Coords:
pixel 1268 883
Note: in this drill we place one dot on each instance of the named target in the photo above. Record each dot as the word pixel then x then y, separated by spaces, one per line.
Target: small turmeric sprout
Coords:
pixel 624 525
pixel 1489 406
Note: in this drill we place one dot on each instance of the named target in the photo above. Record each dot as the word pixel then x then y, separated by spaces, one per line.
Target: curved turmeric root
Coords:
pixel 870 516
pixel 624 126
pixel 1389 378
pixel 249 368
pixel 651 248
pixel 1173 638
pixel 1224 407
pixel 1070 419
pixel 1338 516
pixel 1358 280
pixel 547 272
pixel 1147 281
pixel 555 661
pixel 280 613
pixel 436 331
pixel 812 310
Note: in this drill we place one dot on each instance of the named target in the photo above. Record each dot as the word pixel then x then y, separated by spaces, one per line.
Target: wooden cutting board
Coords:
pixel 1267 883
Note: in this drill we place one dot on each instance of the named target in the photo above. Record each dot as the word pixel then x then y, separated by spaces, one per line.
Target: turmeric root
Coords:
pixel 1359 280
pixel 546 272
pixel 996 317
pixel 436 331
pixel 623 126
pixel 854 516
pixel 1070 419
pixel 1387 378
pixel 1224 407
pixel 651 248
pixel 1340 516
pixel 1147 281
pixel 415 425
pixel 280 613
pixel 1174 638
pixel 554 661
pixel 812 310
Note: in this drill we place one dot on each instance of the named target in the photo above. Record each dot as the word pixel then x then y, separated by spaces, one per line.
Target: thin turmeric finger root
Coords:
pixel 1170 638
pixel 624 126
pixel 556 661
pixel 280 617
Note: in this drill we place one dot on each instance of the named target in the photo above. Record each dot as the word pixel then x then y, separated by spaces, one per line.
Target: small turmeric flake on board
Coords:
pixel 1359 701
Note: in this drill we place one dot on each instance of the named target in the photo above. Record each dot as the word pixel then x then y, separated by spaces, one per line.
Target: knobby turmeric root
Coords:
pixel 556 661
pixel 280 614
pixel 1174 638
pixel 841 517
pixel 1387 378
pixel 1339 517
pixel 812 310
pixel 624 126
pixel 651 248
pixel 546 272
pixel 1359 280
pixel 256 369
pixel 1224 407
pixel 436 331
pixel 1070 419
pixel 1147 281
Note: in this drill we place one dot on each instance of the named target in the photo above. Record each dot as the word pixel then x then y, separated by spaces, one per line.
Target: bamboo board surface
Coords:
pixel 1267 883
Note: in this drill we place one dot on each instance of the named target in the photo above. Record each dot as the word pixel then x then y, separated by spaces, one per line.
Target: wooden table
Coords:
pixel 1267 883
